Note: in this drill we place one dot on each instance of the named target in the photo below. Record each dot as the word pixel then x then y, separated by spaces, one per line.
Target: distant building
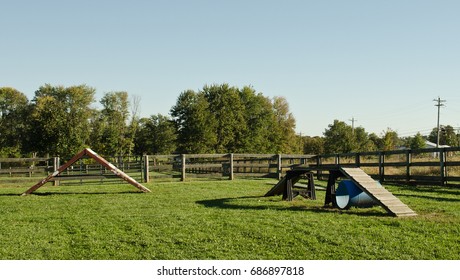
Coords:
pixel 429 144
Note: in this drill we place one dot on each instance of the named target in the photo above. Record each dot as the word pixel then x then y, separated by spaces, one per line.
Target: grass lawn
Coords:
pixel 219 220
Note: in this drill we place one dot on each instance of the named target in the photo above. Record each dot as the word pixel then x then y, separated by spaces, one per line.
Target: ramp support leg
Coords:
pixel 311 186
pixel 330 189
pixel 287 193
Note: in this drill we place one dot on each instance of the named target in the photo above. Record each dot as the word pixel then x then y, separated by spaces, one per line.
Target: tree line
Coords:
pixel 60 121
pixel 340 137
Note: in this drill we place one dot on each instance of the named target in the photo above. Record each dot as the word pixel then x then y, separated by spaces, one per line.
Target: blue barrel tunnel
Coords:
pixel 348 194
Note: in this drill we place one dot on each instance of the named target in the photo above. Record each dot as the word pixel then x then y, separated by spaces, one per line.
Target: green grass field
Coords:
pixel 219 220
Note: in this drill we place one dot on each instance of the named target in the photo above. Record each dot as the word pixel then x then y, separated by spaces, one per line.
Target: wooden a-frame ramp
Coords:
pixel 380 195
pixel 88 153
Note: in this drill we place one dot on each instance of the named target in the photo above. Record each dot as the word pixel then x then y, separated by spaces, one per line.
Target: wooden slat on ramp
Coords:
pixel 382 196
pixel 278 188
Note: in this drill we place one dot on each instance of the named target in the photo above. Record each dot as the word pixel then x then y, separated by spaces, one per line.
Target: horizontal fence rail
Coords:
pixel 25 167
pixel 151 167
pixel 83 170
pixel 436 166
pixel 220 165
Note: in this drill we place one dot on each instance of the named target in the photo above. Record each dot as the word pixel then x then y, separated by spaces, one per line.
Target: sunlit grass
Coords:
pixel 219 220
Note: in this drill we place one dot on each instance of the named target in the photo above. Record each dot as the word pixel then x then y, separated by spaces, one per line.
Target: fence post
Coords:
pixel 183 167
pixel 358 159
pixel 279 167
pixel 231 167
pixel 319 173
pixel 56 164
pixel 146 169
pixel 382 166
pixel 442 165
pixel 408 164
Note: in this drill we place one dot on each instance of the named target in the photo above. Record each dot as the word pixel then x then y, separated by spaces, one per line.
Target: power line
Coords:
pixel 439 105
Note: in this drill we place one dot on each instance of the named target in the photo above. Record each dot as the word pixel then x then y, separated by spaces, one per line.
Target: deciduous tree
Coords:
pixel 59 119
pixel 338 138
pixel 259 118
pixel 447 136
pixel 227 111
pixel 222 119
pixel 283 130
pixel 417 142
pixel 313 145
pixel 390 140
pixel 156 135
pixel 194 123
pixel 14 107
pixel 113 124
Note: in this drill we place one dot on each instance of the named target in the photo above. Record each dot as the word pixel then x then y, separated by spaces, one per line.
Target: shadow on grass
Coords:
pixel 10 194
pixel 445 199
pixel 435 193
pixel 428 189
pixel 229 204
pixel 85 193
pixel 71 193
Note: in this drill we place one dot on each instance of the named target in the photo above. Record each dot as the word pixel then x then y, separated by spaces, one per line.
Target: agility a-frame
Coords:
pixel 91 154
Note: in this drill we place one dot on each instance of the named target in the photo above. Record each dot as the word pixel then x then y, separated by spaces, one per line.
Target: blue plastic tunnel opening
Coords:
pixel 348 194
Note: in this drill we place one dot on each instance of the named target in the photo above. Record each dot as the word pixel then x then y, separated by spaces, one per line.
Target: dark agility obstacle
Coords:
pixel 286 186
pixel 362 181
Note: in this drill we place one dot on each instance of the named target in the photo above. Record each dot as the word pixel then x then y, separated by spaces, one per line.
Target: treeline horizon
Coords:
pixel 61 121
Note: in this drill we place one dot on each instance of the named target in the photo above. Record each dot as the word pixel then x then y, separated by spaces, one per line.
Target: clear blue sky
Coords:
pixel 381 62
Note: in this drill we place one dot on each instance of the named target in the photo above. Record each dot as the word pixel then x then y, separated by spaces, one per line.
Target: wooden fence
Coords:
pixel 85 169
pixel 152 167
pixel 436 166
pixel 25 167
pixel 220 165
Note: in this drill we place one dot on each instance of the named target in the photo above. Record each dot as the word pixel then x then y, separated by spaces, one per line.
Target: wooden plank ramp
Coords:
pixel 382 196
pixel 278 188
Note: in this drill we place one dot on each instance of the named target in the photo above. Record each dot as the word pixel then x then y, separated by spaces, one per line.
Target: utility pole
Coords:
pixel 439 104
pixel 353 120
pixel 458 136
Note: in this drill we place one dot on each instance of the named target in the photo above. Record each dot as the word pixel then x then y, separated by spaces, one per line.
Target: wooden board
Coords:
pixel 278 188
